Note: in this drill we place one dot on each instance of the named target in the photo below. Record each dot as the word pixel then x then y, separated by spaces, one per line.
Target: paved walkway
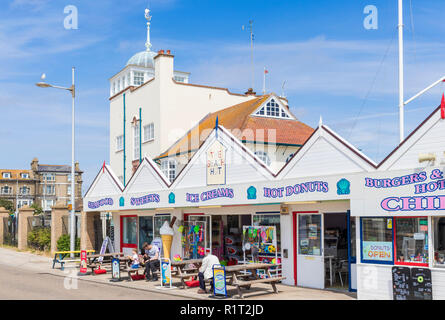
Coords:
pixel 41 267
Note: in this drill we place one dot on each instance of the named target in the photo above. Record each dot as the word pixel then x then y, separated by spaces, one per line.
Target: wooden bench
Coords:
pixel 63 254
pixel 93 262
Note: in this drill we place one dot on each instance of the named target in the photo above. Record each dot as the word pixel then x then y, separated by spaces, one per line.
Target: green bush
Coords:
pixel 63 243
pixel 40 238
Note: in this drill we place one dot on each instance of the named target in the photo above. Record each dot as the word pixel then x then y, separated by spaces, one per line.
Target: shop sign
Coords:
pixel 100 203
pixel 210 195
pixel 216 164
pixel 154 197
pixel 306 187
pixel 377 251
pixel 422 182
pixel 219 279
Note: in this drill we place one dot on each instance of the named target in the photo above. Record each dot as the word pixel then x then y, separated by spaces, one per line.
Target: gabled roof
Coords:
pixel 242 164
pixel 426 138
pixel 106 183
pixel 147 177
pixel 245 126
pixel 324 153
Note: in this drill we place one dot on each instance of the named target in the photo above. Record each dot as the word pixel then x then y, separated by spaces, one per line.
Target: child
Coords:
pixel 135 259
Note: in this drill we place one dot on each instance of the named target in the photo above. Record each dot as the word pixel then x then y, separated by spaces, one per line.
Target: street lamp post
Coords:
pixel 72 89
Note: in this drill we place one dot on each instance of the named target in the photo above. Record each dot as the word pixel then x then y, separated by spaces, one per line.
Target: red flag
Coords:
pixel 103 168
pixel 266 71
pixel 442 107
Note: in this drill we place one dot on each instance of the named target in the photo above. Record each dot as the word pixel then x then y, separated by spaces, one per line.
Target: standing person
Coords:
pixel 151 257
pixel 206 271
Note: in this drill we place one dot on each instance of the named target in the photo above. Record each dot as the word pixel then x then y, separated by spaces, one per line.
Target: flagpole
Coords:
pixel 401 75
pixel 264 81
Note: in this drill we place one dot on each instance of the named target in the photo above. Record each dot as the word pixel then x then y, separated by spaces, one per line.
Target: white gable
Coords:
pixel 273 108
pixel 147 178
pixel 241 164
pixel 325 153
pixel 429 137
pixel 105 184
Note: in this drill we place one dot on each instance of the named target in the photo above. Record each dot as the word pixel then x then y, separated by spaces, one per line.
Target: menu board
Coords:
pixel 422 287
pixel 401 283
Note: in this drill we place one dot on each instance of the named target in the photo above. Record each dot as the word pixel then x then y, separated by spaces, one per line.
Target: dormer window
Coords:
pixel 273 109
pixel 6 175
pixel 263 157
pixel 24 175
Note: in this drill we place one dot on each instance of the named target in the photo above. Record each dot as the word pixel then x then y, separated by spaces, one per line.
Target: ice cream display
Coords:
pixel 167 232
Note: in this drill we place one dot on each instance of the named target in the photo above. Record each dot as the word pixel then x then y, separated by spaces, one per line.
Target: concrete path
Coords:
pixel 30 276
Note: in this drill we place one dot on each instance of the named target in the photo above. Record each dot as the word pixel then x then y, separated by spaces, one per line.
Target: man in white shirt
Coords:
pixel 151 257
pixel 206 271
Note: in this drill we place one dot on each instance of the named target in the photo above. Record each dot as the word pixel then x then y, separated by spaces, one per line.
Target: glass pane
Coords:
pixel 269 220
pixel 377 239
pixel 206 226
pixel 439 242
pixel 145 230
pixel 352 237
pixel 309 235
pixel 129 232
pixel 158 222
pixel 412 240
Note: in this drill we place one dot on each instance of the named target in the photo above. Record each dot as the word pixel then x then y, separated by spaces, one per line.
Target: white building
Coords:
pixel 151 106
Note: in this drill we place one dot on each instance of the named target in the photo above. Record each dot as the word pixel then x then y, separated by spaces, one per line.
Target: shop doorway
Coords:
pixel 324 246
pixel 129 237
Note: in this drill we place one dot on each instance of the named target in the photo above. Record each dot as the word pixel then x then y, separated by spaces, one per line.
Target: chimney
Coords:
pixel 250 92
pixel 164 65
pixel 34 164
pixel 76 167
pixel 169 52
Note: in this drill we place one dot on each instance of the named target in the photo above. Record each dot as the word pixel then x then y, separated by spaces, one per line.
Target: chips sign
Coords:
pixel 219 280
pixel 216 164
pixel 83 261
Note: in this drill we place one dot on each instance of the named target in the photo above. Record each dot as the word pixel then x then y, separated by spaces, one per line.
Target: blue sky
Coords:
pixel 332 65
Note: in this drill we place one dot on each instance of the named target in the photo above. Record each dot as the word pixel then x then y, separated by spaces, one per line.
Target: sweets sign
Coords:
pixel 424 184
pixel 216 164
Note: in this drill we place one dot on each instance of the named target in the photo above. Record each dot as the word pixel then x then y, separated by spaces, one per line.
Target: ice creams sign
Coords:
pixel 216 164
pixel 423 184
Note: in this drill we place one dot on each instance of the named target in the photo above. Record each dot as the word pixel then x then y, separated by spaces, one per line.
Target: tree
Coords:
pixel 8 205
pixel 37 209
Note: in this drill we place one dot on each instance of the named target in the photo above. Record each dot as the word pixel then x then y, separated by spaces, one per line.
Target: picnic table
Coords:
pixel 59 257
pixel 93 259
pixel 183 270
pixel 245 275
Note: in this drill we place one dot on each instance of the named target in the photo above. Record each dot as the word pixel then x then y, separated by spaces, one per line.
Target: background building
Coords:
pixel 43 184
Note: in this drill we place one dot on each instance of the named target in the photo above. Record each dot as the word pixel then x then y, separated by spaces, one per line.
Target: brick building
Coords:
pixel 43 184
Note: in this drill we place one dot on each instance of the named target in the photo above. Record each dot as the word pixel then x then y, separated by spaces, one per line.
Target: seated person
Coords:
pixel 135 259
pixel 151 257
pixel 206 271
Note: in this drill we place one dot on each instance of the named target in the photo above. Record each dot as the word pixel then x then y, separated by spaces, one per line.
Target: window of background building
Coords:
pixel 24 175
pixel 50 190
pixel 6 190
pixel 263 156
pixel 411 243
pixel 168 167
pixel 377 240
pixel 138 78
pixel 120 143
pixel 49 177
pixel 24 190
pixel 273 109
pixel 6 175
pixel 149 132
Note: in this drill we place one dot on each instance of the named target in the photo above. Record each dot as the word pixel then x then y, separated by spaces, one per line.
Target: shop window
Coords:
pixel 269 220
pixel 411 241
pixel 377 240
pixel 439 242
pixel 145 230
pixel 309 234
pixel 158 222
pixel 129 230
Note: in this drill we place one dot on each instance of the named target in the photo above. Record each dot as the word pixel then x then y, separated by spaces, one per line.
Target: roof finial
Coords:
pixel 148 17
pixel 320 123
